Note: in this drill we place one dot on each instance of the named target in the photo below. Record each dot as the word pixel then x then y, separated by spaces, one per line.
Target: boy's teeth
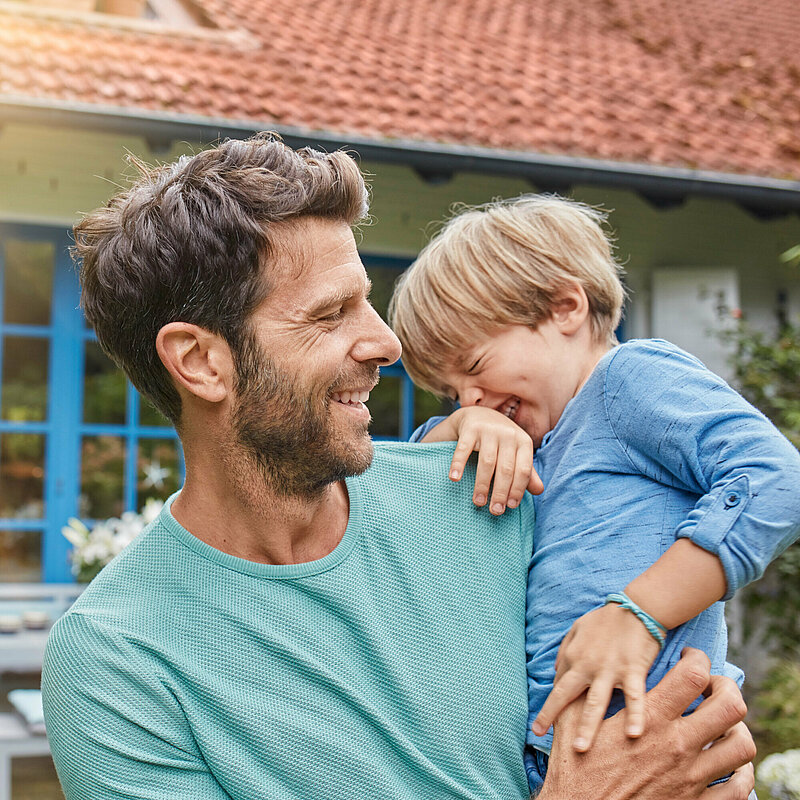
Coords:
pixel 510 408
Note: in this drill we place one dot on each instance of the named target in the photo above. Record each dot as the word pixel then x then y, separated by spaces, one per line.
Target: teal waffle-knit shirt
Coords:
pixel 394 667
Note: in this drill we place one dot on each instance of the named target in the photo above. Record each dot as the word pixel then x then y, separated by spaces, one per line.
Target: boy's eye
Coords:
pixel 474 366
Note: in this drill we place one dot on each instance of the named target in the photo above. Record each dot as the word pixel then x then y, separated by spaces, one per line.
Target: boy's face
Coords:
pixel 527 374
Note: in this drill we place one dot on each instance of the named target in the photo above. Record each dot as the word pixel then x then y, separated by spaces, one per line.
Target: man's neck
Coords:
pixel 245 518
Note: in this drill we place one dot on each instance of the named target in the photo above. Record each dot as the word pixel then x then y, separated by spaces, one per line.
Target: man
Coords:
pixel 295 625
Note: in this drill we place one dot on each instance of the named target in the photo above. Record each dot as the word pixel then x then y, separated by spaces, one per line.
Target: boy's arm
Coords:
pixel 680 425
pixel 610 647
pixel 683 582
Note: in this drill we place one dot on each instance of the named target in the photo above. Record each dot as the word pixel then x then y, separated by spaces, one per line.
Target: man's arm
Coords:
pixel 115 730
pixel 671 761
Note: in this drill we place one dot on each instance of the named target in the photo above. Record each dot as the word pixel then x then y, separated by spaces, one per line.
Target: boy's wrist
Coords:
pixel 656 630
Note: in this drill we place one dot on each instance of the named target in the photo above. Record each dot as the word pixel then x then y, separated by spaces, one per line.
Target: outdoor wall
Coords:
pixel 49 177
pixel 76 439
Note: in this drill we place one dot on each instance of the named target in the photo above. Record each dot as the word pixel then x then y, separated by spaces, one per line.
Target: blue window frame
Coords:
pixel 53 418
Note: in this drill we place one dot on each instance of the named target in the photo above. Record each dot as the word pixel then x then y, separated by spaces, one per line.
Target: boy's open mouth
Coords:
pixel 510 407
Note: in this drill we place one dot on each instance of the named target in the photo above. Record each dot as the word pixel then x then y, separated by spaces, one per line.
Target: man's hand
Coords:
pixel 672 760
pixel 505 453
pixel 607 648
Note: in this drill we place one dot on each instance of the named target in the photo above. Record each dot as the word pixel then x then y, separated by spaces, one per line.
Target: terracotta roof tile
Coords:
pixel 708 83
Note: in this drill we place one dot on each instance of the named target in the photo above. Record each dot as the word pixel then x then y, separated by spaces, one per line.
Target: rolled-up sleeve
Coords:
pixel 680 424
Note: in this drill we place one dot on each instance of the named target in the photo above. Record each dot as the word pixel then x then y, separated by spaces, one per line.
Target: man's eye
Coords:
pixel 334 317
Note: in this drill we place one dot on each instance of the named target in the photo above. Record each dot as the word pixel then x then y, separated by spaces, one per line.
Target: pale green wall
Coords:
pixel 51 175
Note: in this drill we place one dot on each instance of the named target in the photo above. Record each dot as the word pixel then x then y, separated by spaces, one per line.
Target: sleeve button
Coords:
pixel 732 500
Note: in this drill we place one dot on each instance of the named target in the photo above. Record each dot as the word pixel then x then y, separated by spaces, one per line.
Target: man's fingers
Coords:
pixel 594 710
pixel 685 682
pixel 739 786
pixel 718 715
pixel 734 750
pixel 634 689
pixel 562 694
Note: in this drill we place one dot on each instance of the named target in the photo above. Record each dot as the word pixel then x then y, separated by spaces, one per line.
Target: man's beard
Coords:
pixel 286 432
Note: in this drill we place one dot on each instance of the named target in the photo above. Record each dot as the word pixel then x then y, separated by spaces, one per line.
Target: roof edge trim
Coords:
pixel 751 191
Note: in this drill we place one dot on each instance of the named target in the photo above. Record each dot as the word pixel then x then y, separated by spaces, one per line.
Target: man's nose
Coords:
pixel 378 342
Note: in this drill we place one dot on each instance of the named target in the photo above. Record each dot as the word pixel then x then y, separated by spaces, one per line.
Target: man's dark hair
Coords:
pixel 186 242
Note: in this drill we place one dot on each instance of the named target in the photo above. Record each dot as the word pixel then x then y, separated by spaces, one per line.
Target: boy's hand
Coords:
pixel 607 648
pixel 505 451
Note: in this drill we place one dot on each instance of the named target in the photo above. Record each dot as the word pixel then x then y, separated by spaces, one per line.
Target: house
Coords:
pixel 681 116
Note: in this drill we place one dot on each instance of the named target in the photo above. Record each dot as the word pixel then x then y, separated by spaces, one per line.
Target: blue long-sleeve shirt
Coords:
pixel 653 448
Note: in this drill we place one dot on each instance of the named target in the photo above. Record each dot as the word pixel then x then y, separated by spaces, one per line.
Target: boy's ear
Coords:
pixel 199 361
pixel 571 309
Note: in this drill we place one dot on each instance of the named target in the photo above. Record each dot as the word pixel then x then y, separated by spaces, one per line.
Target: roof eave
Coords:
pixel 661 185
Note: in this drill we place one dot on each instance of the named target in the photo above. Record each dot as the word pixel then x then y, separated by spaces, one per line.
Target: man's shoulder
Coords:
pixel 130 585
pixel 414 477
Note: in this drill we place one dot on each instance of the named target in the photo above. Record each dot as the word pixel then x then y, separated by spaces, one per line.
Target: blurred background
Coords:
pixel 680 117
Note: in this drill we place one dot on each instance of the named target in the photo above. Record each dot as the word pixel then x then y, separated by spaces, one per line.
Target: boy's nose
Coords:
pixel 471 396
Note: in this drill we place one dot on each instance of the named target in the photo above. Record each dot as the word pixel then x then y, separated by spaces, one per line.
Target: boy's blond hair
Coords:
pixel 502 263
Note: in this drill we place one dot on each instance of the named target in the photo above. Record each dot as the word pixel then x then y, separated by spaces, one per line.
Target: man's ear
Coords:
pixel 571 309
pixel 198 361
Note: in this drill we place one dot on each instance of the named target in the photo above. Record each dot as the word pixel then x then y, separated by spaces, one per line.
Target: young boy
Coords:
pixel 664 490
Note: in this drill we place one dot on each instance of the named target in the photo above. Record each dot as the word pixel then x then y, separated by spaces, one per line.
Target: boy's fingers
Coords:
pixel 561 695
pixel 535 485
pixel 503 477
pixel 464 448
pixel 634 689
pixel 523 473
pixel 487 461
pixel 594 710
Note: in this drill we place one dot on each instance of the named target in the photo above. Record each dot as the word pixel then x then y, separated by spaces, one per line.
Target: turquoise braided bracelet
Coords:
pixel 654 627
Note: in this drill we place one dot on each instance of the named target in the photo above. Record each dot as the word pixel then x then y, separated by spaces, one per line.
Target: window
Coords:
pixel 76 439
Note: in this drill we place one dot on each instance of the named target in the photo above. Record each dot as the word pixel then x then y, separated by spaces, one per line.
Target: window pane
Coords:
pixel 384 405
pixel 28 282
pixel 103 388
pixel 102 469
pixel 427 405
pixel 383 279
pixel 149 416
pixel 159 469
pixel 24 379
pixel 20 556
pixel 22 475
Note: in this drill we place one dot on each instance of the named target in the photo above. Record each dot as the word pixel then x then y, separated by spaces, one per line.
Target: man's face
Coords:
pixel 312 357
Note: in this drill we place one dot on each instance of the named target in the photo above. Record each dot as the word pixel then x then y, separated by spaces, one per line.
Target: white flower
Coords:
pixel 780 772
pixel 152 508
pixel 76 532
pixel 94 548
